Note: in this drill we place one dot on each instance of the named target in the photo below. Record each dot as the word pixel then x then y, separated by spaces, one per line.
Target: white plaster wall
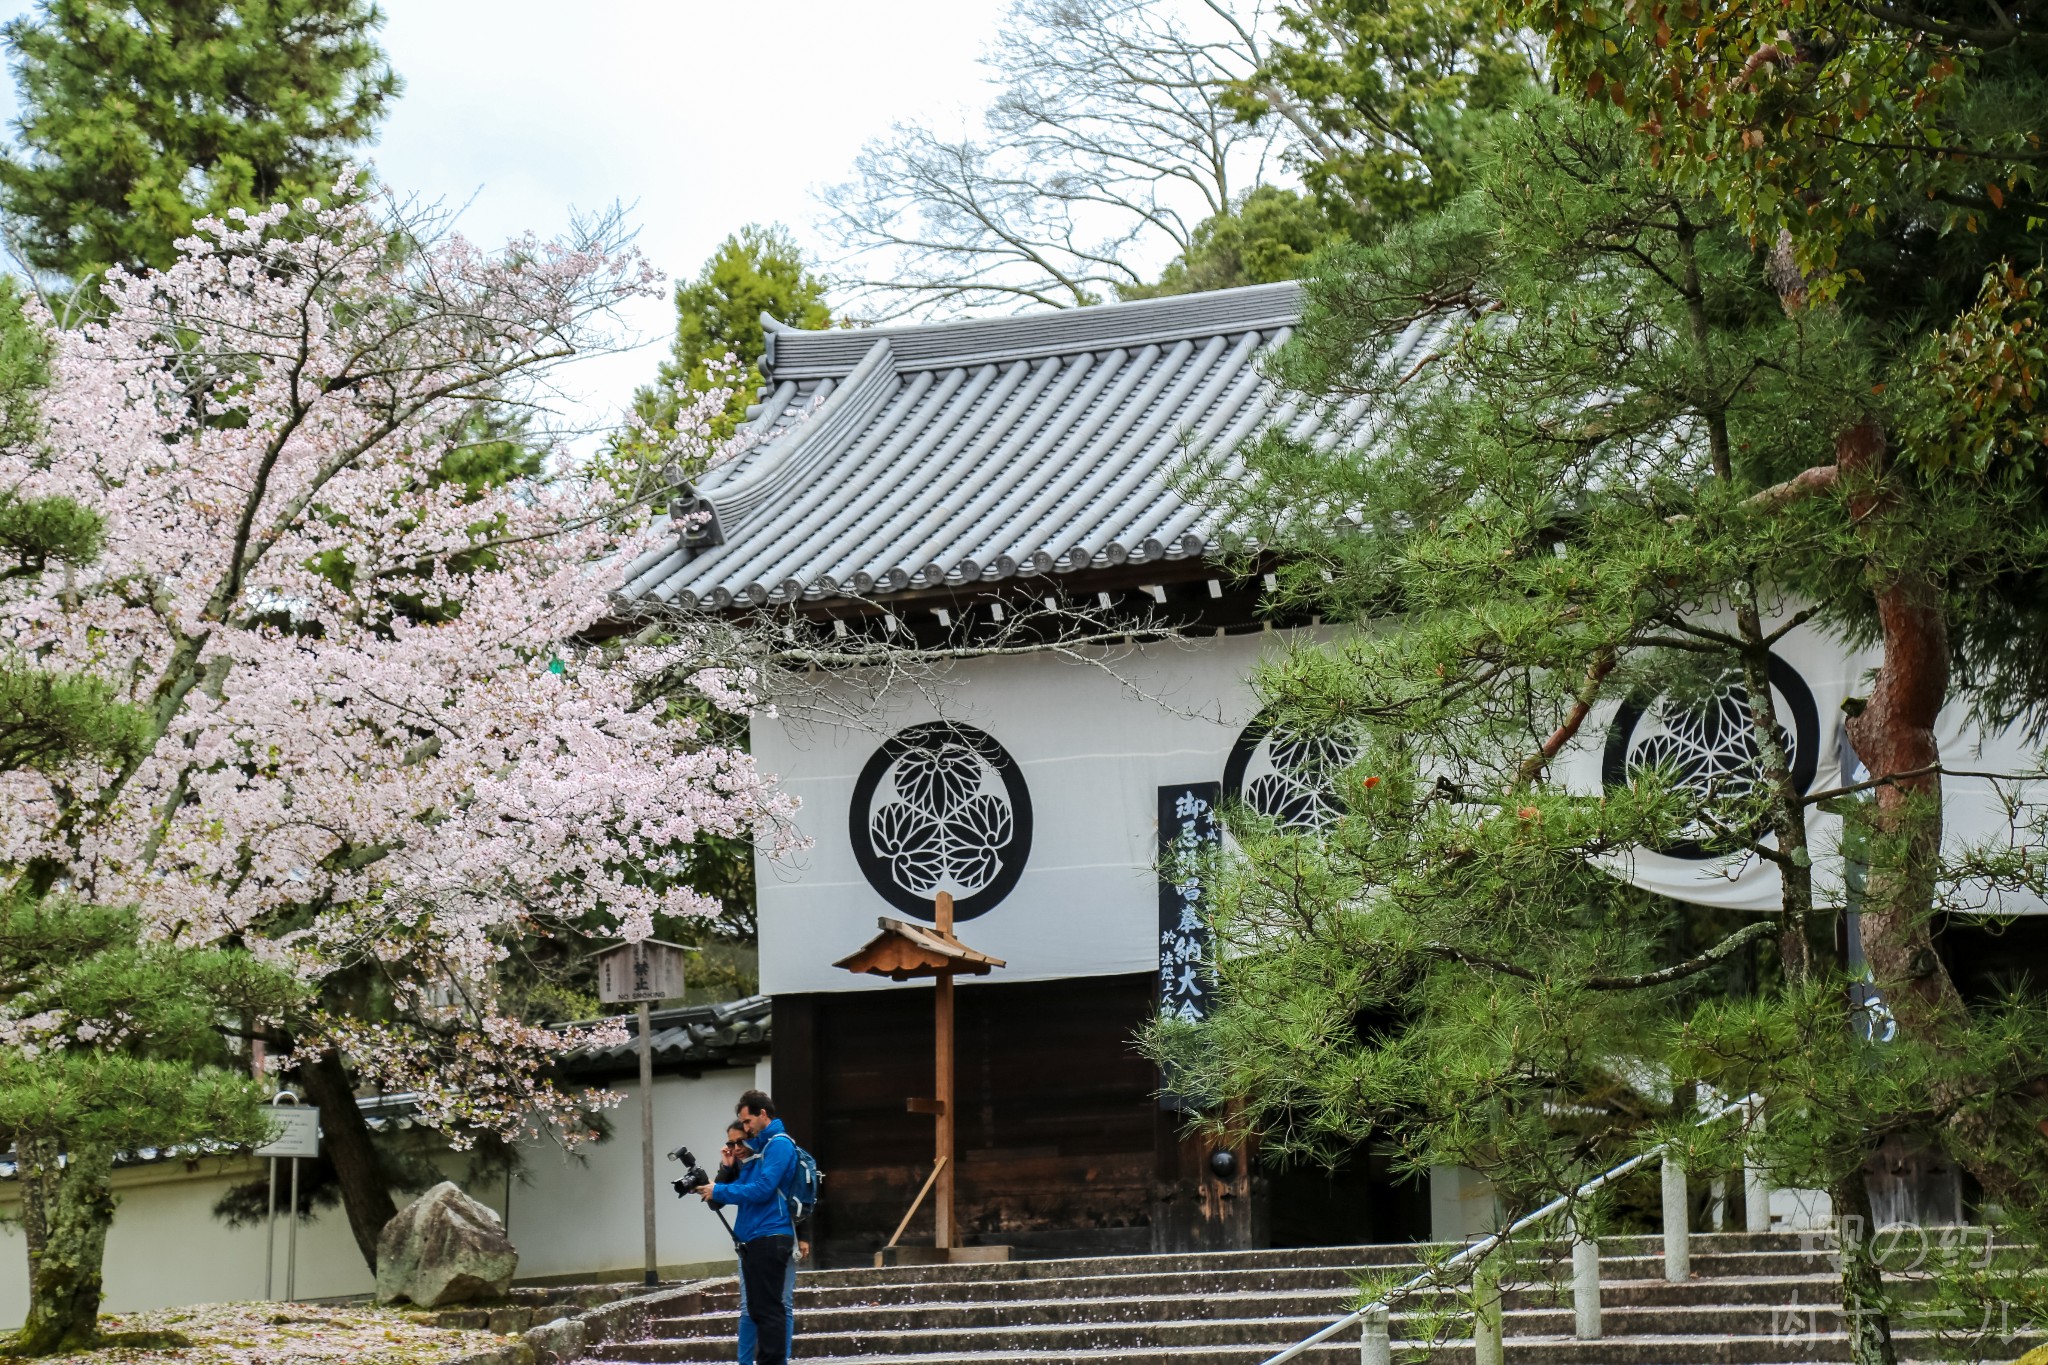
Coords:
pixel 1462 1204
pixel 167 1248
pixel 1094 753
pixel 581 1213
pixel 577 1215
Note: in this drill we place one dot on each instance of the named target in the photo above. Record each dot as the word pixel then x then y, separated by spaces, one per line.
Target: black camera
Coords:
pixel 693 1177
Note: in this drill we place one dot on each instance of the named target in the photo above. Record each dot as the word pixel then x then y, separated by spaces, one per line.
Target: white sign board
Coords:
pixel 296 1132
pixel 645 971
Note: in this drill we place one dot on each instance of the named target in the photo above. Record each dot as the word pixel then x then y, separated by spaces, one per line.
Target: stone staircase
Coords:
pixel 1752 1300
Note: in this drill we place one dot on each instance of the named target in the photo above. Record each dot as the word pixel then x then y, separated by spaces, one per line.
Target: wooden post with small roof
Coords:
pixel 902 952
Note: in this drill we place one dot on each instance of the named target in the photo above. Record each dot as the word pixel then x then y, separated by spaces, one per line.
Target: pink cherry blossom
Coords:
pixel 334 783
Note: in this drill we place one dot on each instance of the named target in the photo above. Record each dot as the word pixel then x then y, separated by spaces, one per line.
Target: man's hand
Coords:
pixel 704 1193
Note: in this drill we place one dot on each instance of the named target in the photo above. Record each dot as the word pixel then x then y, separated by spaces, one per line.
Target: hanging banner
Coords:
pixel 1187 829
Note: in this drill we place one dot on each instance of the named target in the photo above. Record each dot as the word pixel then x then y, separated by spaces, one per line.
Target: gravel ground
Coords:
pixel 285 1334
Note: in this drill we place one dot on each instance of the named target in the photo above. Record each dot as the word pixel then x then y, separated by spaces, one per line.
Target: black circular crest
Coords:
pixel 941 807
pixel 1287 776
pixel 1710 746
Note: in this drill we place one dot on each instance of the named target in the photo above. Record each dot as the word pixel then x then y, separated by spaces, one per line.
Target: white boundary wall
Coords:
pixel 578 1216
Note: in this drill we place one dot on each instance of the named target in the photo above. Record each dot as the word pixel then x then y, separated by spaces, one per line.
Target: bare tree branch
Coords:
pixel 1108 143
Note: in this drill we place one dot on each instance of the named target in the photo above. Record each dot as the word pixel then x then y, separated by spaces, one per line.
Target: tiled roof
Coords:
pixel 692 1036
pixel 916 457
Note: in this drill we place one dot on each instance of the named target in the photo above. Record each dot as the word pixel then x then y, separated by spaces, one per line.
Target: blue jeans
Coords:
pixel 747 1323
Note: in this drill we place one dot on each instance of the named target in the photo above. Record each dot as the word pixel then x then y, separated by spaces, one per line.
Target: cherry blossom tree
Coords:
pixel 373 757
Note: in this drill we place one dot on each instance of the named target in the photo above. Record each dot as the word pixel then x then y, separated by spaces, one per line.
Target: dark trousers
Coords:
pixel 764 1268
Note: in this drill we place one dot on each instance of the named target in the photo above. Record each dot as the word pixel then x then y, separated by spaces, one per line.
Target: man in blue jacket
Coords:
pixel 766 1236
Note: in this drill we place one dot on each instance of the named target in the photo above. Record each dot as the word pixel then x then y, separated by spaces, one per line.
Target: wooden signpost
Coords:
pixel 901 952
pixel 638 974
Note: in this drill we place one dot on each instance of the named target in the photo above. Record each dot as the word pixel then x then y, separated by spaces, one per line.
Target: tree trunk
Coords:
pixel 1893 735
pixel 346 1135
pixel 77 1208
pixel 37 1167
pixel 1866 1317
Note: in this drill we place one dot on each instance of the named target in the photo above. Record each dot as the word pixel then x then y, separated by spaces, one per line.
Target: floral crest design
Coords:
pixel 941 807
pixel 1289 776
pixel 1709 746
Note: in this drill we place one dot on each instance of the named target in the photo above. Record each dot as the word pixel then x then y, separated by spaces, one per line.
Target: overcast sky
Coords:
pixel 698 116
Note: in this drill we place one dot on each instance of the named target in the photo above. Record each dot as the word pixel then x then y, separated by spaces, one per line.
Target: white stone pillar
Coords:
pixel 1486 1305
pixel 1677 1223
pixel 1376 1346
pixel 1585 1287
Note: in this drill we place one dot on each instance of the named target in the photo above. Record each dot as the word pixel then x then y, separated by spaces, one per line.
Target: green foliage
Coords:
pixel 1541 530
pixel 115 1042
pixel 1395 90
pixel 1567 503
pixel 133 1051
pixel 1871 116
pixel 137 118
pixel 50 719
pixel 1268 235
pixel 1980 386
pixel 718 314
pixel 36 533
pixel 494 449
pixel 756 270
pixel 24 368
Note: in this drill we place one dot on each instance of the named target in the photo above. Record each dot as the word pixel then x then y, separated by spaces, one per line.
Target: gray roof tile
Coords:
pixel 914 457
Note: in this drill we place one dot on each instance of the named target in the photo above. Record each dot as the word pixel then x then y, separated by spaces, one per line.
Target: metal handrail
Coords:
pixel 1478 1250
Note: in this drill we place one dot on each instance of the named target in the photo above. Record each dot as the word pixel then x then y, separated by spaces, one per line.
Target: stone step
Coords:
pixel 1752 1300
pixel 1532 1312
pixel 1251 1346
pixel 1312 1307
pixel 891 1335
pixel 1286 1258
pixel 816 1291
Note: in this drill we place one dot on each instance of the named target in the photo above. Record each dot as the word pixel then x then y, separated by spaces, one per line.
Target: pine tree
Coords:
pixel 1574 498
pixel 138 118
pixel 1890 158
pixel 114 1042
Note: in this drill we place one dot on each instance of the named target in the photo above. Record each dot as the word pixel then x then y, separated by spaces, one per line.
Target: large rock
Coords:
pixel 444 1248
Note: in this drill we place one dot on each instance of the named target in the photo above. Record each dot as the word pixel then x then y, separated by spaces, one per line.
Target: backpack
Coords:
pixel 805 1183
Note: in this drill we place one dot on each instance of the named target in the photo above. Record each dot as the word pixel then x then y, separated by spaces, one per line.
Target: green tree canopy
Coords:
pixel 1267 236
pixel 1576 495
pixel 718 313
pixel 115 1043
pixel 1393 90
pixel 137 118
pixel 756 270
